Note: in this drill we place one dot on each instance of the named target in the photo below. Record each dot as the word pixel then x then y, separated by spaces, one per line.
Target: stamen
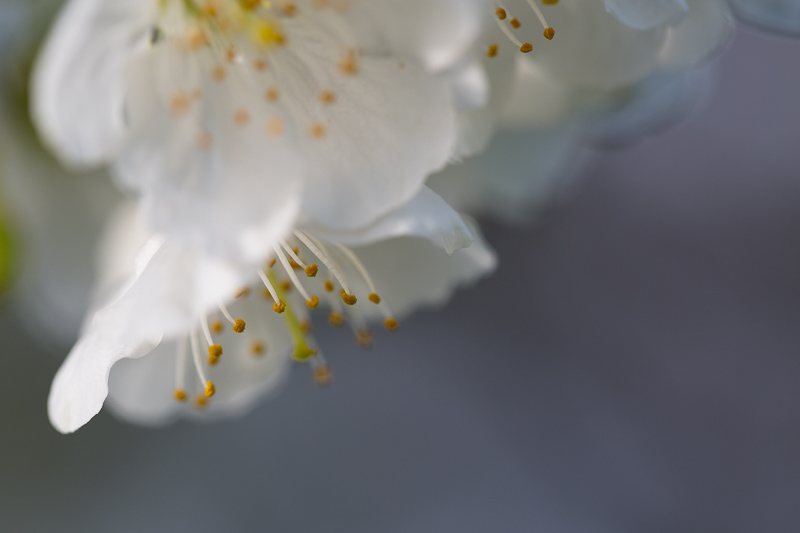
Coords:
pixel 279 306
pixel 549 31
pixel 311 302
pixel 180 370
pixel 319 250
pixel 525 47
pixel 208 387
pixel 374 297
pixel 237 324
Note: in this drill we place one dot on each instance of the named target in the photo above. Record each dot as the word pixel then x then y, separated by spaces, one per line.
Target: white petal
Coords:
pixel 232 193
pixel 708 26
pixel 521 171
pixel 778 15
pixel 412 272
pixel 427 216
pixel 170 289
pixel 646 14
pixel 79 79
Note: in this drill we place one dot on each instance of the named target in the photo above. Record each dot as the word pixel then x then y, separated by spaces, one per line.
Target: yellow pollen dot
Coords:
pixel 216 327
pixel 391 324
pixel 210 390
pixel 180 395
pixel 515 23
pixel 241 117
pixel 313 303
pixel 218 73
pixel 349 299
pixel 318 130
pixel 349 63
pixel 364 339
pixel 492 50
pixel 279 307
pixel 286 285
pixel 526 48
pixel 312 270
pixel 323 375
pixel 239 325
pixel 272 95
pixel 336 319
pixel 375 298
pixel 257 349
pixel 327 97
pixel 274 127
pixel 549 33
pixel 329 285
pixel 501 13
pixel 201 402
pixel 260 65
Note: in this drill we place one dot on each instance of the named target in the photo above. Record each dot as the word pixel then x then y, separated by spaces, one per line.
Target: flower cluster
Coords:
pixel 281 157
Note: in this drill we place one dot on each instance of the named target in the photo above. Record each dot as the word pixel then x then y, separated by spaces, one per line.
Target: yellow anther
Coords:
pixel 364 339
pixel 501 13
pixel 329 285
pixel 239 325
pixel 492 51
pixel 279 307
pixel 312 270
pixel 391 324
pixel 375 298
pixel 515 23
pixel 216 327
pixel 323 375
pixel 214 354
pixel 336 319
pixel 313 303
pixel 201 402
pixel 349 299
pixel 549 33
pixel 180 395
pixel 526 48
pixel 210 389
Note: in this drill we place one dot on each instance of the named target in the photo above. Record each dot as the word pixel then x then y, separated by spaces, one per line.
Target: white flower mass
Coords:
pixel 278 158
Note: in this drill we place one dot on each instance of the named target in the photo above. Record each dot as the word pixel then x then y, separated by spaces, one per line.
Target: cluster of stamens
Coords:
pixel 281 285
pixel 508 24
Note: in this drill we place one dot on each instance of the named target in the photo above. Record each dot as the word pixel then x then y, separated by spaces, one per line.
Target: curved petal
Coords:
pixel 79 79
pixel 646 14
pixel 708 26
pixel 427 216
pixel 775 15
pixel 164 297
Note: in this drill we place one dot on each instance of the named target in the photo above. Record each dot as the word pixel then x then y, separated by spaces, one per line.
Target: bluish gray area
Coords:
pixel 633 367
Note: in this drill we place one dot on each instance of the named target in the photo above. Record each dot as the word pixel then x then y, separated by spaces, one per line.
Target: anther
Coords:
pixel 214 354
pixel 349 299
pixel 216 327
pixel 180 395
pixel 313 303
pixel 279 307
pixel 257 349
pixel 375 298
pixel 391 324
pixel 323 375
pixel 210 390
pixel 336 319
pixel 312 270
pixel 201 402
pixel 239 325
pixel 364 338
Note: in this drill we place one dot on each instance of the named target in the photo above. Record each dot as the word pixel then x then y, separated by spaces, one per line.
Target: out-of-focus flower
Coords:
pixel 228 115
pixel 612 72
pixel 173 307
pixel 775 15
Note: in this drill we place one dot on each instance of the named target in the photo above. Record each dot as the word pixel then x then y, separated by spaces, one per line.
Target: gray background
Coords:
pixel 633 367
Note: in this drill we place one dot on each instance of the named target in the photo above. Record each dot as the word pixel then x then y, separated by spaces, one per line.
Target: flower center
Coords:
pixel 334 277
pixel 510 24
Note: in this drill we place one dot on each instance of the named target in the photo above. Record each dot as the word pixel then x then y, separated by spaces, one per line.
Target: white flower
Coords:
pixel 612 72
pixel 228 115
pixel 173 306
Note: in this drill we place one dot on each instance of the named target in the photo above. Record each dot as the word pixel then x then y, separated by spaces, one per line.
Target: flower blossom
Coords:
pixel 195 329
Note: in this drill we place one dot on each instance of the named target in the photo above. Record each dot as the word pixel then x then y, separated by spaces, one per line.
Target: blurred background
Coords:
pixel 634 366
